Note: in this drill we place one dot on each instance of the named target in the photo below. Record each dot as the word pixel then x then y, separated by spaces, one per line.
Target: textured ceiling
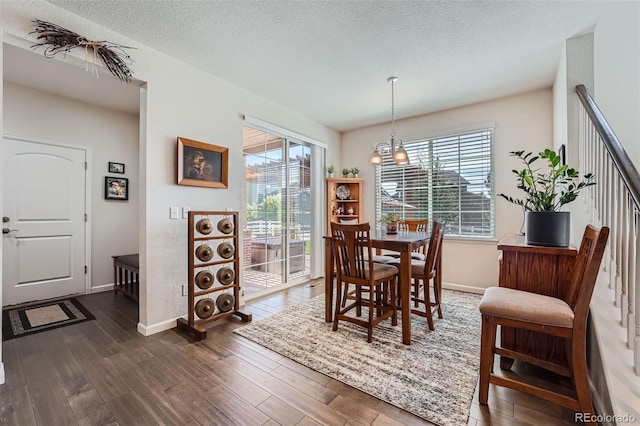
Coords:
pixel 329 60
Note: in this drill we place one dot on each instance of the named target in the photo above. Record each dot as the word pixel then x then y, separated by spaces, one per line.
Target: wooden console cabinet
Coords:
pixel 537 269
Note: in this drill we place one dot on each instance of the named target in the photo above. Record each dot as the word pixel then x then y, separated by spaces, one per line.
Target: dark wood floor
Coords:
pixel 103 372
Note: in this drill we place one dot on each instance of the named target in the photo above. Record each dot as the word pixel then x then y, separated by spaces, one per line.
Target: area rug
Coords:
pixel 27 320
pixel 433 378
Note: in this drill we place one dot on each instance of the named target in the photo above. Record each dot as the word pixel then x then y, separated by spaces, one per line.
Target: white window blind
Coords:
pixel 450 180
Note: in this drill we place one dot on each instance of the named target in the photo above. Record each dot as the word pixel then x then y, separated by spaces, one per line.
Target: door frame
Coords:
pixel 87 196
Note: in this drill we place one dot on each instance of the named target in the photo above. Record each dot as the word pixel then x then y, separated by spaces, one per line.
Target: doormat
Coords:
pixel 26 320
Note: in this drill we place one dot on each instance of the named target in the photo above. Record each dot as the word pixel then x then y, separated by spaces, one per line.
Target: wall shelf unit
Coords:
pixel 344 200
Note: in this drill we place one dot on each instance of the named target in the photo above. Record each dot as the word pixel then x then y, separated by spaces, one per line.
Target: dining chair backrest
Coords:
pixel 435 245
pixel 413 225
pixel 585 271
pixel 352 250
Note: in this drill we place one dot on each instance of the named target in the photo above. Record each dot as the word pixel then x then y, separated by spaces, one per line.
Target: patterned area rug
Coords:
pixel 28 320
pixel 433 378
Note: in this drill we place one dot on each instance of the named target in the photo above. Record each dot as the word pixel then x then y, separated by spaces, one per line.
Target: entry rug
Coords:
pixel 433 378
pixel 27 320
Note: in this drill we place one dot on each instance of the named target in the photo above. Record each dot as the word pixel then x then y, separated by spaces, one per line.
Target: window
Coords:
pixel 450 180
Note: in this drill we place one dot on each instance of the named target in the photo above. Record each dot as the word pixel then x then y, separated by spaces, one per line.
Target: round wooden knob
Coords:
pixel 204 308
pixel 226 250
pixel 204 226
pixel 226 276
pixel 204 253
pixel 225 226
pixel 224 302
pixel 204 279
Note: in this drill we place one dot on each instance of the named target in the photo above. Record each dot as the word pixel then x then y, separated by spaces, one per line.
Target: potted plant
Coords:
pixel 330 171
pixel 546 191
pixel 345 172
pixel 355 171
pixel 391 221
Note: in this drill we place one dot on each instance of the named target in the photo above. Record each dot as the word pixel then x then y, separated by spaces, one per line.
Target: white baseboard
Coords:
pixel 465 288
pixel 148 330
pixel 1 373
pixel 102 288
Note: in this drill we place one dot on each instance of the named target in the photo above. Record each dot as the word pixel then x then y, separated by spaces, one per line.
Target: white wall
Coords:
pixel 112 136
pixel 617 73
pixel 521 122
pixel 180 100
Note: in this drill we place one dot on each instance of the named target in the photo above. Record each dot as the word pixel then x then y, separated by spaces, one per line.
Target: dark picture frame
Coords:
pixel 116 188
pixel 116 167
pixel 202 164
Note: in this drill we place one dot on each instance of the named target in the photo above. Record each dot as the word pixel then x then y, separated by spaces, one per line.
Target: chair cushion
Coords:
pixel 382 258
pixel 525 306
pixel 381 271
pixel 417 266
pixel 414 255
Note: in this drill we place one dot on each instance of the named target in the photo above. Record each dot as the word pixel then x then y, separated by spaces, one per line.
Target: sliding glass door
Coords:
pixel 277 196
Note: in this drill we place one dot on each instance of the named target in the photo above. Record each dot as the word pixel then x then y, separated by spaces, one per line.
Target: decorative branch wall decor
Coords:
pixel 58 39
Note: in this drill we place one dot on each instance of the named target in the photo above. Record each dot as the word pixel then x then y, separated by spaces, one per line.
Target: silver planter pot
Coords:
pixel 550 229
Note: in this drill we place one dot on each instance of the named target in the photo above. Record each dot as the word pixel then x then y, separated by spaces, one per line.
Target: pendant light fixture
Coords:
pixel 400 155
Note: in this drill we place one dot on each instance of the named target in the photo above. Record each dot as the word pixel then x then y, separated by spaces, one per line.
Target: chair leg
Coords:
pixel 393 301
pixel 427 305
pixel 372 297
pixel 438 296
pixel 336 313
pixel 578 365
pixel 416 292
pixel 487 345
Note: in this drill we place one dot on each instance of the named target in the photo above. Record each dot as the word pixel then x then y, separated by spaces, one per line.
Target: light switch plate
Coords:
pixel 173 212
pixel 185 212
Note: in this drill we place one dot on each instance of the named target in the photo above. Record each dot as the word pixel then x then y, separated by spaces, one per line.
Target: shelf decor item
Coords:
pixel 546 191
pixel 343 192
pixel 330 171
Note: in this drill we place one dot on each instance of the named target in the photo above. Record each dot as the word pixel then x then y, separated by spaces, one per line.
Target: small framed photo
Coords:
pixel 116 188
pixel 202 164
pixel 116 167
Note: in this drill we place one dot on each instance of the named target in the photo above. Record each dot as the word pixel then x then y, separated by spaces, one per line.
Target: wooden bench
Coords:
pixel 125 275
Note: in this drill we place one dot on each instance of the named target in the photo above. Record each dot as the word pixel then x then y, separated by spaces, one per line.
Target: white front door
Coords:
pixel 43 247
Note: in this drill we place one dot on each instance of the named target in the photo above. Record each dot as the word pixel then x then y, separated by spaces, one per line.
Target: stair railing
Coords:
pixel 614 202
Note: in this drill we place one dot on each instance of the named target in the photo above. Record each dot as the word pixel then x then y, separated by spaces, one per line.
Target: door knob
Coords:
pixel 7 230
pixel 5 219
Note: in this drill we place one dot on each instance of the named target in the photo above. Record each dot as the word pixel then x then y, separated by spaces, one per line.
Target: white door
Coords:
pixel 43 247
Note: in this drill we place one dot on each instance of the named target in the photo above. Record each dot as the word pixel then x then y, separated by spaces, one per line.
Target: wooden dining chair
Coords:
pixel 376 284
pixel 565 318
pixel 423 277
pixel 414 225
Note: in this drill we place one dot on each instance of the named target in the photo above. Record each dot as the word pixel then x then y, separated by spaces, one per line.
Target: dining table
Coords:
pixel 403 242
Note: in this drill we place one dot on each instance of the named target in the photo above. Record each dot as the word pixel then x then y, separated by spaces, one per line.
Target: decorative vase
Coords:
pixel 392 228
pixel 550 229
pixel 330 175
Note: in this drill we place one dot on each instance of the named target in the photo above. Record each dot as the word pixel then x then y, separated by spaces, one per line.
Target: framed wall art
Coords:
pixel 202 164
pixel 116 167
pixel 116 188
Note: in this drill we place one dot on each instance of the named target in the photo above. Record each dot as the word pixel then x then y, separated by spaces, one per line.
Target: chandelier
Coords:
pixel 399 155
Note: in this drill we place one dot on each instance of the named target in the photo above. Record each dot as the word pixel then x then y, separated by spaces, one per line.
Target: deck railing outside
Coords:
pixel 614 202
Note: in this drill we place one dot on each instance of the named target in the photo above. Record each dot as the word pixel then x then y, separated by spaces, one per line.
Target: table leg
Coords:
pixel 405 299
pixel 328 280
